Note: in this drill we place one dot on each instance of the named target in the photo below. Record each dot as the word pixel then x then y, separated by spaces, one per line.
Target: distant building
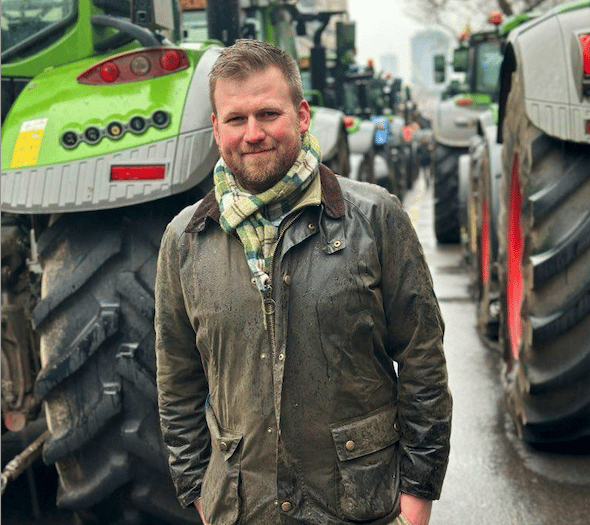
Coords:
pixel 389 64
pixel 424 45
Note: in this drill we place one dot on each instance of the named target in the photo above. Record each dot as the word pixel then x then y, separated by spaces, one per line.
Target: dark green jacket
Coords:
pixel 306 421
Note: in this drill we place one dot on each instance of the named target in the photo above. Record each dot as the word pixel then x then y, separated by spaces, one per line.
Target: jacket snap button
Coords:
pixel 396 426
pixel 223 446
pixel 350 445
pixel 337 244
pixel 287 279
pixel 286 506
pixel 311 226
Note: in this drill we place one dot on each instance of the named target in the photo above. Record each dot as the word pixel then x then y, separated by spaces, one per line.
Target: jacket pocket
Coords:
pixel 367 464
pixel 220 484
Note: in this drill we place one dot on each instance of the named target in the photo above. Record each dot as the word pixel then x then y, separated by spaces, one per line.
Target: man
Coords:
pixel 283 299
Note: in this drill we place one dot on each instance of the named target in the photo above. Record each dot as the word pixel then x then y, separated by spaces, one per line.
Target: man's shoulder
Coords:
pixel 179 223
pixel 365 195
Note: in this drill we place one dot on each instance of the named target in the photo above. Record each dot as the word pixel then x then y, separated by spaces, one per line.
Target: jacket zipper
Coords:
pixel 269 303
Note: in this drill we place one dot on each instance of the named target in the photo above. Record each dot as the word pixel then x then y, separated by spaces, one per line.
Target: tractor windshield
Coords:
pixel 489 59
pixel 31 25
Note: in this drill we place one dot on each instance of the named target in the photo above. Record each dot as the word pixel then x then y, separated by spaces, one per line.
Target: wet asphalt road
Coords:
pixel 492 478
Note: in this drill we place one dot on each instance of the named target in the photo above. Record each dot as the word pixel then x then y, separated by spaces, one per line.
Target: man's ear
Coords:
pixel 304 114
pixel 215 129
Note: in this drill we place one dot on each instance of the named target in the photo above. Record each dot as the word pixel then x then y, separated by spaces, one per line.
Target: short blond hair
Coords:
pixel 245 57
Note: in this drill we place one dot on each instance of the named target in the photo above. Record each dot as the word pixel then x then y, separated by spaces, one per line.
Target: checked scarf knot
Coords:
pixel 243 212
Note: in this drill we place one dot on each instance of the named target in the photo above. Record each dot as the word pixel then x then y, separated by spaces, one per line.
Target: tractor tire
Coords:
pixel 482 230
pixel 399 171
pixel 385 172
pixel 340 163
pixel 447 227
pixel 411 164
pixel 97 382
pixel 367 168
pixel 544 247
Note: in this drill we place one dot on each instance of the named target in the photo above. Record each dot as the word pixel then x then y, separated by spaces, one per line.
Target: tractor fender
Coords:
pixel 84 183
pixel 361 141
pixel 493 151
pixel 325 126
pixel 464 183
pixel 454 125
pixel 552 80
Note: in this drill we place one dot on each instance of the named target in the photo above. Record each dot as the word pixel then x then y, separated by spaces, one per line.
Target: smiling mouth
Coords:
pixel 257 152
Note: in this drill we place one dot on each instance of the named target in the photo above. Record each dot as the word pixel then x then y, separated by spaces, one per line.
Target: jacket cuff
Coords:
pixel 188 497
pixel 424 488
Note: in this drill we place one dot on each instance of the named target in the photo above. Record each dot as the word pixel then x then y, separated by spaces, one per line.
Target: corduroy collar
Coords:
pixel 332 201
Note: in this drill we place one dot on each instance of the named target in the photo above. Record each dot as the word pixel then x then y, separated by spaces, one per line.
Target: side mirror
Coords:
pixel 439 69
pixel 461 60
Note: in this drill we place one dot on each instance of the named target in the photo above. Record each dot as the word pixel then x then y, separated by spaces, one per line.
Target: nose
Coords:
pixel 254 131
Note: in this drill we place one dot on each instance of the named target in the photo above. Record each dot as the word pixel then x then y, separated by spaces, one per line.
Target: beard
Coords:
pixel 257 174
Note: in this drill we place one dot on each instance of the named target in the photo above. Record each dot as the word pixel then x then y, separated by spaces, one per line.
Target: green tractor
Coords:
pixel 522 188
pixel 106 135
pixel 541 263
pixel 455 123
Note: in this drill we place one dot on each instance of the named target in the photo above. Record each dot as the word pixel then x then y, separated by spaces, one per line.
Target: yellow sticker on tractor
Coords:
pixel 28 143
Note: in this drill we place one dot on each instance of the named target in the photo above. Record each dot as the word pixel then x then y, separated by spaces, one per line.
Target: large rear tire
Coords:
pixel 483 236
pixel 447 226
pixel 545 277
pixel 95 321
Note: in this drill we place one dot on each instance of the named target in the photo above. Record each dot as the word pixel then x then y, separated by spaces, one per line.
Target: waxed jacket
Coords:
pixel 290 410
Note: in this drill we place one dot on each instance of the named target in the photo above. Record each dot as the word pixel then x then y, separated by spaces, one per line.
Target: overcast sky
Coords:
pixel 381 28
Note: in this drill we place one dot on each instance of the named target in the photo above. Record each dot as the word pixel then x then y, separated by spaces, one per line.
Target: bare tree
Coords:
pixel 455 14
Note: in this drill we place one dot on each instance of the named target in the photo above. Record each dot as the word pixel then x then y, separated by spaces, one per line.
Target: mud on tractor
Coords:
pixel 524 184
pixel 538 266
pixel 106 135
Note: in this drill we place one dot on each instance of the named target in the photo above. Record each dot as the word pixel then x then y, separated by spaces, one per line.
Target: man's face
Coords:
pixel 257 128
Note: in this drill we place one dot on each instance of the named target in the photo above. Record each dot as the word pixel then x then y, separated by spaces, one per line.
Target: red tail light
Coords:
pixel 496 18
pixel 465 101
pixel 348 122
pixel 153 172
pixel 134 66
pixel 170 60
pixel 109 72
pixel 585 41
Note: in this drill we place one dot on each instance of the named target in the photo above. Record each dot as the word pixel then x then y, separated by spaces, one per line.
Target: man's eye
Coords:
pixel 269 114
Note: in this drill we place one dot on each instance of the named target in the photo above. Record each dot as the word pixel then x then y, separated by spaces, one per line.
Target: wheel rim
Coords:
pixel 514 284
pixel 485 243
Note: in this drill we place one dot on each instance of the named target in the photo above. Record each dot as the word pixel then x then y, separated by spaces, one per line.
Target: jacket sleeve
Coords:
pixel 415 331
pixel 181 380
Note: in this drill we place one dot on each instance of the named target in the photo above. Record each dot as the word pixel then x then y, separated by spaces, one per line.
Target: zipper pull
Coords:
pixel 268 307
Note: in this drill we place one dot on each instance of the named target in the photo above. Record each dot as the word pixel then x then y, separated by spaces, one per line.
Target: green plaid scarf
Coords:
pixel 243 212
